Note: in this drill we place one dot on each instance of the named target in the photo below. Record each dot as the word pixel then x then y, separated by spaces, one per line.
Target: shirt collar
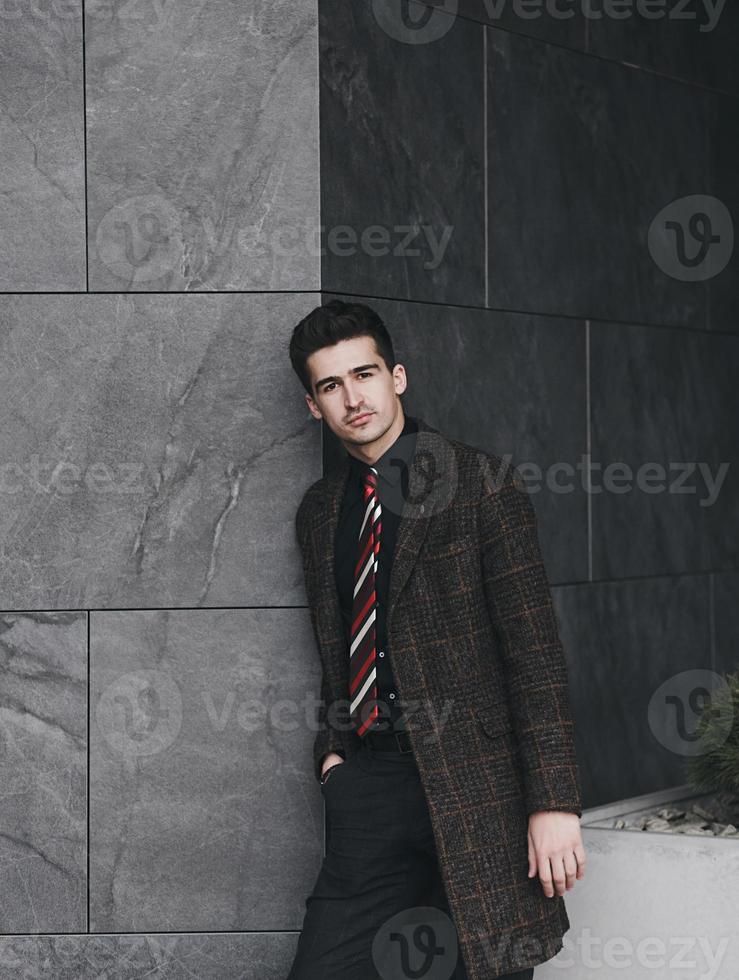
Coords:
pixel 396 458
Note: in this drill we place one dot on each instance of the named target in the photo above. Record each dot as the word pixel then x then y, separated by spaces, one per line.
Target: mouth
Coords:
pixel 361 418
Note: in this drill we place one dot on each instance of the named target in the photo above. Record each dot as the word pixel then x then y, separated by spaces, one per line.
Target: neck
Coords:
pixel 370 452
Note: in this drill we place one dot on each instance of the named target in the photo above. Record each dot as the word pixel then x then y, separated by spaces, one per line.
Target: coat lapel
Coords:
pixel 430 467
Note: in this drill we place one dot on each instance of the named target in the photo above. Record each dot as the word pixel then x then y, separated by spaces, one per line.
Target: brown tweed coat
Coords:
pixel 479 667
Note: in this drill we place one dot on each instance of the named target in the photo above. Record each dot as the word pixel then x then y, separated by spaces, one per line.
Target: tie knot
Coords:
pixel 370 478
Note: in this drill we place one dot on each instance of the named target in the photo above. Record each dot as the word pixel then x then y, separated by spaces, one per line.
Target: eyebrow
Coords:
pixel 335 377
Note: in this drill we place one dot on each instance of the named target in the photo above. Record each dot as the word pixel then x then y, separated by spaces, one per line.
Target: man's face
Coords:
pixel 351 381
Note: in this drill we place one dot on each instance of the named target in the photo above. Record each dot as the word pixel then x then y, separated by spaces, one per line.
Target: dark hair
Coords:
pixel 328 324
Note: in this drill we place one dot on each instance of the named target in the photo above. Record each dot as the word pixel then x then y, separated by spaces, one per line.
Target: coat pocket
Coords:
pixel 494 719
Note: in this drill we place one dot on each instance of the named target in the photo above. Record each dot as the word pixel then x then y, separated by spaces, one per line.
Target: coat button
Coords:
pixel 391 695
pixel 381 653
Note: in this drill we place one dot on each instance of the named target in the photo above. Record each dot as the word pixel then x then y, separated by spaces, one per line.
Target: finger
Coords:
pixel 570 866
pixel 532 858
pixel 558 873
pixel 581 858
pixel 545 877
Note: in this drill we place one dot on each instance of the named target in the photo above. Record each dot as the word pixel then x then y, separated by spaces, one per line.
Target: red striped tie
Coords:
pixel 362 654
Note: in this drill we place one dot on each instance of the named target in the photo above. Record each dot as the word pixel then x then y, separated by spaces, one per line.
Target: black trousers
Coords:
pixel 378 910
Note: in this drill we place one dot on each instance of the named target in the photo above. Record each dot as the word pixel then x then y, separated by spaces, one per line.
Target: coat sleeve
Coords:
pixel 520 604
pixel 328 738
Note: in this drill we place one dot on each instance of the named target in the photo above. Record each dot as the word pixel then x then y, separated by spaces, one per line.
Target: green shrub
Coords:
pixel 717 766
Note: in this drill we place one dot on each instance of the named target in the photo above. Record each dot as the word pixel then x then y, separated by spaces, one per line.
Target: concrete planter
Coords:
pixel 653 905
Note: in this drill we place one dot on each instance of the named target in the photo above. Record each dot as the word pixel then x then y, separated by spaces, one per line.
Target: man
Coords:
pixel 445 746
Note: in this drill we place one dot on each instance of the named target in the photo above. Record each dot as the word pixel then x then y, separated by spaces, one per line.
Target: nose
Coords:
pixel 352 400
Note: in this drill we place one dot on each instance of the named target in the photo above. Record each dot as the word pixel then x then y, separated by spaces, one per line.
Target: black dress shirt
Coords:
pixel 392 489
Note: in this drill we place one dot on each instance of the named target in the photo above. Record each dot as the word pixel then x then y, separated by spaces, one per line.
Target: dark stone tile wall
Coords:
pixel 693 40
pixel 723 131
pixel 725 621
pixel 402 157
pixel 664 399
pixel 592 336
pixel 575 181
pixel 628 642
